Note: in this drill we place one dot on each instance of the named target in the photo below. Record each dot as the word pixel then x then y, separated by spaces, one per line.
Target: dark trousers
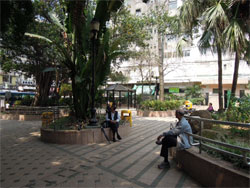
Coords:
pixel 114 128
pixel 167 142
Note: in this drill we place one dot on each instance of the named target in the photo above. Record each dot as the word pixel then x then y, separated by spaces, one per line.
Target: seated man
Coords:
pixel 170 138
pixel 113 118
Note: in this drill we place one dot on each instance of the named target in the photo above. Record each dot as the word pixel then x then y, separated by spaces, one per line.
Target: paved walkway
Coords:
pixel 131 162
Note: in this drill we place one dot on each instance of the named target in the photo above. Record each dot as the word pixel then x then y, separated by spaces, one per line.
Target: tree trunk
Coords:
pixel 236 70
pixel 220 78
pixel 160 65
pixel 43 81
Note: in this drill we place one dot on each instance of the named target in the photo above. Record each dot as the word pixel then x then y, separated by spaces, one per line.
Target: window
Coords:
pixel 182 90
pixel 172 4
pixel 138 12
pixel 6 78
pixel 186 53
pixel 242 93
pixel 215 90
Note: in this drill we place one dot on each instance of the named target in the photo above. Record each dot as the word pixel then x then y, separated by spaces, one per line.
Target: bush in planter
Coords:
pixel 197 101
pixel 157 105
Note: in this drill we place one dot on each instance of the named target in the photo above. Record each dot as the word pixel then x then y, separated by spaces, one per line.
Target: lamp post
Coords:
pixel 156 88
pixel 94 28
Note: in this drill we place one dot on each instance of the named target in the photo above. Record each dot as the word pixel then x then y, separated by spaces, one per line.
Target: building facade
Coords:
pixel 193 68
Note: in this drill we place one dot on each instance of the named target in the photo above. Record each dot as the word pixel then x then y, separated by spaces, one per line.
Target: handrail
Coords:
pixel 219 122
pixel 200 138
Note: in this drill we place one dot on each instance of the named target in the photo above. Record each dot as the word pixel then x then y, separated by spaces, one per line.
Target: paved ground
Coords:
pixel 132 162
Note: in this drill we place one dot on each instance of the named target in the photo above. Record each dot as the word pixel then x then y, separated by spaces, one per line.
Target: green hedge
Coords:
pixel 197 101
pixel 157 105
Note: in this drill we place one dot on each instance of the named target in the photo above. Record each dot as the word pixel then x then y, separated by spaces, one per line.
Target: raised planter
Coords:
pixel 147 113
pixel 83 137
pixel 211 172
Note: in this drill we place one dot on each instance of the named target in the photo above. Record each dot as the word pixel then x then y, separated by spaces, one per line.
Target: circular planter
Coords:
pixel 147 113
pixel 83 137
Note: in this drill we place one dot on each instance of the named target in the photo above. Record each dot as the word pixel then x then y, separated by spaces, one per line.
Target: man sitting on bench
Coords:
pixel 113 118
pixel 174 137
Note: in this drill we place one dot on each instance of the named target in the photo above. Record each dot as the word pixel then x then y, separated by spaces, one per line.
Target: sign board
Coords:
pixel 174 90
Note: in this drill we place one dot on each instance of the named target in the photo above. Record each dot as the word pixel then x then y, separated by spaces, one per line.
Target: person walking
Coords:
pixel 174 137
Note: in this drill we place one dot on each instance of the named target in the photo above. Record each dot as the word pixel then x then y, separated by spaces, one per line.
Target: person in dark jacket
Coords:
pixel 175 137
pixel 113 118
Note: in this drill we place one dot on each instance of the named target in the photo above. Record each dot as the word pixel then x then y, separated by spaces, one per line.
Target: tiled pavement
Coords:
pixel 131 162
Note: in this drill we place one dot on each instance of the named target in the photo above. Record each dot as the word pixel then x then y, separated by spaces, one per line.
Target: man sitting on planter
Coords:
pixel 174 137
pixel 113 118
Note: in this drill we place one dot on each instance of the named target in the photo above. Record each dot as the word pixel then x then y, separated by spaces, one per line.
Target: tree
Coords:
pixel 32 56
pixel 166 25
pixel 219 31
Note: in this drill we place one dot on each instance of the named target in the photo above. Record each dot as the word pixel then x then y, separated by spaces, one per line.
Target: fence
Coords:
pixel 201 140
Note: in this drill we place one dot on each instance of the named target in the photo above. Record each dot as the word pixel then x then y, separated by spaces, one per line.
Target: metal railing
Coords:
pixel 201 140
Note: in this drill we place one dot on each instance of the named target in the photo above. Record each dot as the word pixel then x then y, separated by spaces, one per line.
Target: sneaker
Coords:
pixel 164 165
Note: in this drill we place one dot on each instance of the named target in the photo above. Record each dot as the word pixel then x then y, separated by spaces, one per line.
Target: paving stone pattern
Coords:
pixel 131 162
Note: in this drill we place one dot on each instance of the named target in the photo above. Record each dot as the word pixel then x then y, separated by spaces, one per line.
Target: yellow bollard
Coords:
pixel 127 115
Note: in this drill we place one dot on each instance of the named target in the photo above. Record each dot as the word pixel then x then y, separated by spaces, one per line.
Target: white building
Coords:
pixel 192 68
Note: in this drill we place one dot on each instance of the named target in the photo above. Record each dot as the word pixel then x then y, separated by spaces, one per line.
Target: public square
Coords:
pixel 131 162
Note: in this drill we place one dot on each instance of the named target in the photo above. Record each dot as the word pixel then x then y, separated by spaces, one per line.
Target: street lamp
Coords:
pixel 94 28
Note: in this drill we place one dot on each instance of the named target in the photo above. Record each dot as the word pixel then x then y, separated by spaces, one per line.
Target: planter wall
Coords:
pixel 147 113
pixel 83 137
pixel 211 172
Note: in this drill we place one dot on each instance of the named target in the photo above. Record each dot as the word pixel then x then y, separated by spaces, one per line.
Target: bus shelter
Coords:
pixel 117 88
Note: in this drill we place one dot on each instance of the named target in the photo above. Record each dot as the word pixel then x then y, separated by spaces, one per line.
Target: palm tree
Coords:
pixel 235 35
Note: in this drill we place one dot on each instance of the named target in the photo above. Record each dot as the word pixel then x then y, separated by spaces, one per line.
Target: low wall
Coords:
pixel 211 172
pixel 83 137
pixel 147 113
pixel 20 117
pixel 29 117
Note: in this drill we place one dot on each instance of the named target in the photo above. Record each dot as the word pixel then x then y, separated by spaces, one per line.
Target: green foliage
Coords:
pixel 65 123
pixel 65 90
pixel 171 96
pixel 157 105
pixel 239 110
pixel 197 101
pixel 27 100
pixel 17 102
pixel 118 76
pixel 65 102
pixel 193 92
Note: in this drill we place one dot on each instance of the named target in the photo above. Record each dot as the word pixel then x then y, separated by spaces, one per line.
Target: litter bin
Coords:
pixel 127 115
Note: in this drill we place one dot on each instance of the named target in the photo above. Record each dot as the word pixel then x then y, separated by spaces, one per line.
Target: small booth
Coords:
pixel 129 94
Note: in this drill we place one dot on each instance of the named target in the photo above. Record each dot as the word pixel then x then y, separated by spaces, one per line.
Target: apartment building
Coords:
pixel 193 68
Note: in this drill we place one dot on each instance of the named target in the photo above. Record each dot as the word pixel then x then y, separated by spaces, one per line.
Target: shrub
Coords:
pixel 65 102
pixel 157 105
pixel 18 102
pixel 197 101
pixel 27 100
pixel 239 110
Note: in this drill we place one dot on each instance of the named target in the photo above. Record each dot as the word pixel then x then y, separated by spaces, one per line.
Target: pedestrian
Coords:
pixel 113 118
pixel 210 107
pixel 174 137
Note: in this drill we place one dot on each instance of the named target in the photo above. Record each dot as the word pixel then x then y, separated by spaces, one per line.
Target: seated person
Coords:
pixel 113 118
pixel 210 107
pixel 174 137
